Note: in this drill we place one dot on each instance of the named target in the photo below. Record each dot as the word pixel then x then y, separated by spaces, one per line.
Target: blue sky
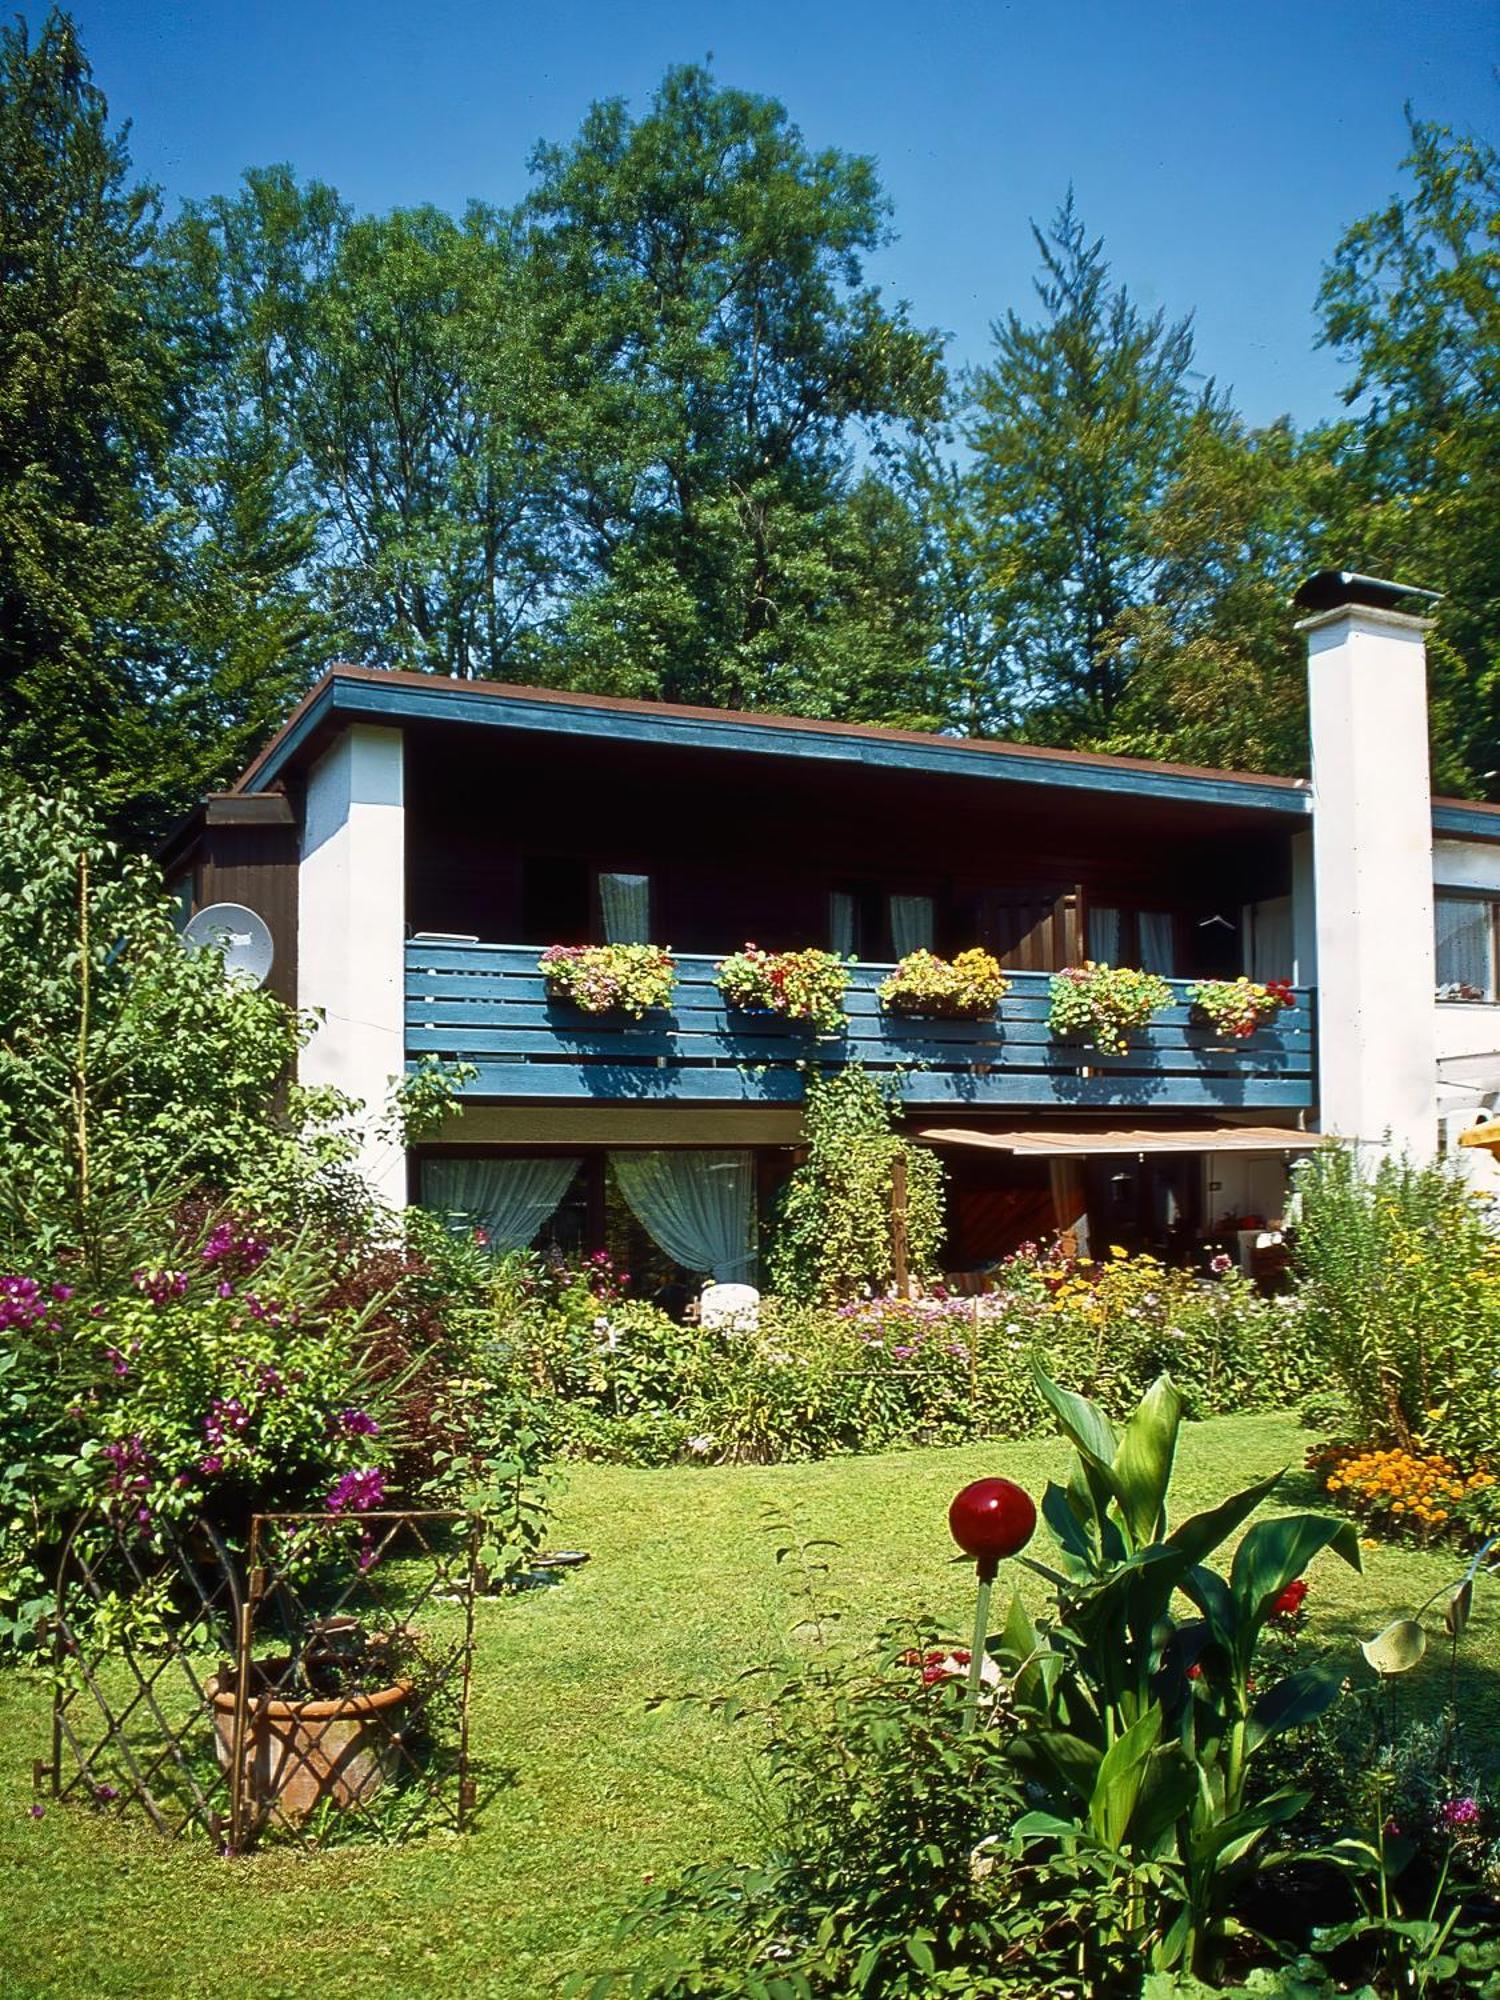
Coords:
pixel 1219 148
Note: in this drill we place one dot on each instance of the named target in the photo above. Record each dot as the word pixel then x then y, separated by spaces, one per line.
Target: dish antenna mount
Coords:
pixel 238 935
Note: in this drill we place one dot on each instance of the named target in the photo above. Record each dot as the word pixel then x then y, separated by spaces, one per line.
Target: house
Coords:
pixel 414 844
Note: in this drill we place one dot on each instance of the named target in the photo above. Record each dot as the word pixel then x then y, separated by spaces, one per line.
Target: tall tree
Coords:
pixel 87 415
pixel 1079 424
pixel 701 274
pixel 1412 301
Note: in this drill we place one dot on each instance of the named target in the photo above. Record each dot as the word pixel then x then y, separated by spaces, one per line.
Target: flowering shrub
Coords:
pixel 969 987
pixel 620 1381
pixel 802 985
pixel 1102 1003
pixel 1417 1493
pixel 610 978
pixel 1237 1007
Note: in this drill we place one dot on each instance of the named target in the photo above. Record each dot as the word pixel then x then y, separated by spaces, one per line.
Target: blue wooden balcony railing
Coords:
pixel 487 1004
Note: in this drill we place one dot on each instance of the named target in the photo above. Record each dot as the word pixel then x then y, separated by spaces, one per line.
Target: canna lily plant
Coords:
pixel 1138 1725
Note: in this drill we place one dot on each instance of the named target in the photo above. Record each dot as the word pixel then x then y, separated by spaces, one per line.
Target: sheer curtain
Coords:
pixel 841 922
pixel 625 904
pixel 699 1206
pixel 911 924
pixel 1465 947
pixel 1158 942
pixel 1104 934
pixel 1270 929
pixel 508 1199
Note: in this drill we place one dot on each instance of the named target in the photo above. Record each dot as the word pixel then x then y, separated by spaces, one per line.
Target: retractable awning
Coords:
pixel 1145 1139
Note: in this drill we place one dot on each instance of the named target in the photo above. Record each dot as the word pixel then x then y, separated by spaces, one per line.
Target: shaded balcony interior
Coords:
pixel 516 839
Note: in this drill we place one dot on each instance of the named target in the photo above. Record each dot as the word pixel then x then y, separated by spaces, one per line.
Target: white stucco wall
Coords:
pixel 1372 870
pixel 351 931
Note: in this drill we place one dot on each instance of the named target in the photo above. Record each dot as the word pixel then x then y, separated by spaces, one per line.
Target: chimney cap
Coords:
pixel 1333 589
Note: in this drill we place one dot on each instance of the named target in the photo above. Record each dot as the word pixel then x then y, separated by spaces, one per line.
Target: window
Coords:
pixel 912 924
pixel 1467 927
pixel 1146 939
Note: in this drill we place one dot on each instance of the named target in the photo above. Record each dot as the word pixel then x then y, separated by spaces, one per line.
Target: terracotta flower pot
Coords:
pixel 301 1752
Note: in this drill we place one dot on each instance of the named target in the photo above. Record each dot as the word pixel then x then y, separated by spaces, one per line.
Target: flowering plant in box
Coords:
pixel 1239 1006
pixel 966 988
pixel 802 985
pixel 1102 1003
pixel 610 978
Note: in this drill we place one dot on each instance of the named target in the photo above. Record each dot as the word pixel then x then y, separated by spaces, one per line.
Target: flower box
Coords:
pixel 1101 1004
pixel 967 988
pixel 1237 1007
pixel 798 985
pixel 610 978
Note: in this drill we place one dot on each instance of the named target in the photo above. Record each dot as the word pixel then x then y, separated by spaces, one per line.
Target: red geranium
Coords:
pixel 1289 1603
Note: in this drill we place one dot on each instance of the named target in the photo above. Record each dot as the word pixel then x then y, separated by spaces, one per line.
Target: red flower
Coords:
pixel 1289 1603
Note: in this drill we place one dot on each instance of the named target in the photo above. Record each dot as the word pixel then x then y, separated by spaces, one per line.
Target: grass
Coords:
pixel 586 1794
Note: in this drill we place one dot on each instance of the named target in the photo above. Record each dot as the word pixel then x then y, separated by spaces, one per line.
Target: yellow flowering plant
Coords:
pixel 967 988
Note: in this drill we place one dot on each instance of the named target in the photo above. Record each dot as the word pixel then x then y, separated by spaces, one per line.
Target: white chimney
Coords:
pixel 1372 862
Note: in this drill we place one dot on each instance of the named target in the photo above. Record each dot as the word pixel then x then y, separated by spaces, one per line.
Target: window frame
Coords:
pixel 1487 900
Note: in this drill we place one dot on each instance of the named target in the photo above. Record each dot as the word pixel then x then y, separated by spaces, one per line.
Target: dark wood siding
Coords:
pixel 256 866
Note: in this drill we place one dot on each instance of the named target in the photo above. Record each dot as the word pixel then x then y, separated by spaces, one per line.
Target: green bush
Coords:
pixel 1401 1301
pixel 833 1234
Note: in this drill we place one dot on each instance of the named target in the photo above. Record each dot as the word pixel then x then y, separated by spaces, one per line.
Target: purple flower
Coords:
pixel 1459 1815
pixel 62 1293
pixel 105 1793
pixel 225 1289
pixel 117 1361
pixel 228 1244
pixel 21 1302
pixel 36 1812
pixel 357 1492
pixel 903 1353
pixel 358 1423
pixel 160 1286
pixel 211 1464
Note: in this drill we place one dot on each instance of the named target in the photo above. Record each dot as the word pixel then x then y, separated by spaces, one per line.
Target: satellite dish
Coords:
pixel 238 935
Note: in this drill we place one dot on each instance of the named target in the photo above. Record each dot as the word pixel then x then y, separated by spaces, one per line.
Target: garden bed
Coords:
pixel 588 1795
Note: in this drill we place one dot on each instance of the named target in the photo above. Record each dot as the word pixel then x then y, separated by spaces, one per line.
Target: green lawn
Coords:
pixel 586 1793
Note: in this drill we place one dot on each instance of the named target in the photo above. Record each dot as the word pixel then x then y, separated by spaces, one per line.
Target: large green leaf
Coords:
pixel 1083 1423
pixel 1299 1699
pixel 1143 1460
pixel 1272 1554
pixel 1061 1758
pixel 1203 1533
pixel 1117 1785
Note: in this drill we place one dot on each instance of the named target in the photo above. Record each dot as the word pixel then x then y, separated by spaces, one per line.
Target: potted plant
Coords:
pixel 799 985
pixel 967 988
pixel 321 1727
pixel 1102 1003
pixel 610 978
pixel 1238 1007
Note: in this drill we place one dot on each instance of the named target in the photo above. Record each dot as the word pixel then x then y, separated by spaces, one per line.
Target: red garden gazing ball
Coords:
pixel 992 1518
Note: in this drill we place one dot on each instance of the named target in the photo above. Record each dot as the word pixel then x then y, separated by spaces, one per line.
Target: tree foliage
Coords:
pixel 655 432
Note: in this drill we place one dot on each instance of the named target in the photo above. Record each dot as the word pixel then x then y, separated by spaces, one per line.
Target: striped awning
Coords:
pixel 1141 1139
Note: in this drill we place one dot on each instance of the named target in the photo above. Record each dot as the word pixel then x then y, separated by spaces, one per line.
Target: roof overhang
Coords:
pixel 1076 1142
pixel 361 694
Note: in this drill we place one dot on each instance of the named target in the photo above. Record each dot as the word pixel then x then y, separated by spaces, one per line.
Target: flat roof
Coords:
pixel 348 693
pixel 351 694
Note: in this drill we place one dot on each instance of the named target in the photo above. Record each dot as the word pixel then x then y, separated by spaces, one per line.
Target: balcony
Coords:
pixel 487 1004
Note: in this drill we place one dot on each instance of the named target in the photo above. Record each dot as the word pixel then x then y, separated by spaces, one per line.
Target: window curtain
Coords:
pixel 841 922
pixel 1465 946
pixel 508 1199
pixel 1104 934
pixel 699 1206
pixel 625 904
pixel 911 924
pixel 1270 928
pixel 1158 942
